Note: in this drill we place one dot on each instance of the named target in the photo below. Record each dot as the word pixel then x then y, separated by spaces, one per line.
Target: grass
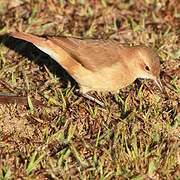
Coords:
pixel 136 136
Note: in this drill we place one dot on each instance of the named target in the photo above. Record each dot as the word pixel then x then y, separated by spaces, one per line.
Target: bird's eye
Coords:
pixel 147 68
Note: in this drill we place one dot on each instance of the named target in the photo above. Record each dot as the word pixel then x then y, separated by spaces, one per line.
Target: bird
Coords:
pixel 99 65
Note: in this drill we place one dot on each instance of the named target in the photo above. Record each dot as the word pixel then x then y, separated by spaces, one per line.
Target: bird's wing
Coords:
pixel 92 54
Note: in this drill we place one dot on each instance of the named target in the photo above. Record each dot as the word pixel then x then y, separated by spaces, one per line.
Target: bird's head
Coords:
pixel 148 65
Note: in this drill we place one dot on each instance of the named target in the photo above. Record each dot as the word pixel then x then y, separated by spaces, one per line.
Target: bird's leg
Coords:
pixel 87 96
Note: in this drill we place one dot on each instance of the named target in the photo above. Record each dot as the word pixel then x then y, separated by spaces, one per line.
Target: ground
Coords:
pixel 58 134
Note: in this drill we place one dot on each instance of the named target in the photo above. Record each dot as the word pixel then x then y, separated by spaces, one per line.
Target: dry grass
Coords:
pixel 137 135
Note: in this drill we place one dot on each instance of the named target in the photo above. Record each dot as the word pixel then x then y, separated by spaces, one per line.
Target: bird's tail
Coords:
pixel 50 48
pixel 30 38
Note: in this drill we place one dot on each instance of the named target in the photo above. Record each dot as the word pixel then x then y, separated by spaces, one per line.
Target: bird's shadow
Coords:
pixel 40 58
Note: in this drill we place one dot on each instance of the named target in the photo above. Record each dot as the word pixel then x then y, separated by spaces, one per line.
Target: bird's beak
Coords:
pixel 159 84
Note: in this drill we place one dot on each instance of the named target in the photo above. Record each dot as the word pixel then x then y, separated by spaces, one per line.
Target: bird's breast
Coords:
pixel 107 79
